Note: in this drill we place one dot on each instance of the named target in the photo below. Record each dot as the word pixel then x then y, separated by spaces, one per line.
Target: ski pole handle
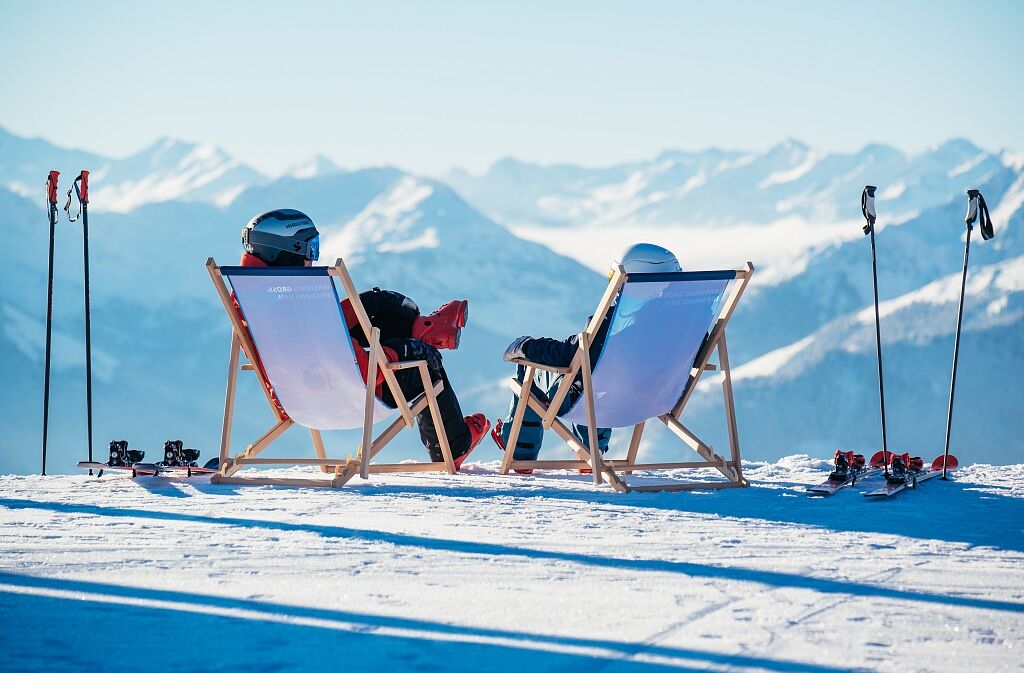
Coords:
pixel 972 207
pixel 51 188
pixel 83 191
pixel 867 207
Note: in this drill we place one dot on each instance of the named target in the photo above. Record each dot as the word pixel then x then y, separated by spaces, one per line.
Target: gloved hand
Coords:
pixel 414 349
pixel 516 349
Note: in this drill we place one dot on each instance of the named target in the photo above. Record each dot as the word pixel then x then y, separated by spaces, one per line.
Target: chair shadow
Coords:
pixel 691 569
pixel 59 624
pixel 951 511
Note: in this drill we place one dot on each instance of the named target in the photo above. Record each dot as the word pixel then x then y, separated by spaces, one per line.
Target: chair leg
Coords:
pixel 634 444
pixel 435 414
pixel 229 401
pixel 525 392
pixel 730 410
pixel 318 446
pixel 371 377
pixel 588 395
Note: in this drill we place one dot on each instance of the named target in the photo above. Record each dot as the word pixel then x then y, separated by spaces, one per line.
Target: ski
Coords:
pixel 848 469
pixel 120 457
pixel 903 478
pixel 179 461
pixel 138 470
pixel 180 470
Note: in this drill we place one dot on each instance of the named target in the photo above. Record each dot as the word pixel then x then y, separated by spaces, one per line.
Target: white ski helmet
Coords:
pixel 648 258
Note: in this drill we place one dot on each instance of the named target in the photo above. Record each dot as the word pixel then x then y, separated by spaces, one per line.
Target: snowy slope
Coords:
pixel 487 573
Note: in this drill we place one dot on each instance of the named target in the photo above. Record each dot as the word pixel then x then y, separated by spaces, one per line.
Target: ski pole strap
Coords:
pixel 867 207
pixel 51 189
pixel 978 209
pixel 82 192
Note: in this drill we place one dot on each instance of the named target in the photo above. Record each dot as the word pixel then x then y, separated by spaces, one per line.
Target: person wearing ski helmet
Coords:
pixel 637 258
pixel 286 237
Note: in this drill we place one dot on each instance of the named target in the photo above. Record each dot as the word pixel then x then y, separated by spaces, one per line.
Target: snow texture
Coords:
pixel 481 572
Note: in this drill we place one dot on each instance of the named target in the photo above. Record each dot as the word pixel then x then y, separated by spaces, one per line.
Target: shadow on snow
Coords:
pixel 766 577
pixel 114 627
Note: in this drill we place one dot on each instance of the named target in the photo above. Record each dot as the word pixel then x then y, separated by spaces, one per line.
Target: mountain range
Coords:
pixel 801 341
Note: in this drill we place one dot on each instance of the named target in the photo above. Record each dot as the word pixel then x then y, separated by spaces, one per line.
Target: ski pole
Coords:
pixel 81 188
pixel 51 206
pixel 975 206
pixel 867 207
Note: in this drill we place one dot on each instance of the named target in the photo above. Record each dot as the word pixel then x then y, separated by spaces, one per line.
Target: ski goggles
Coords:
pixel 309 249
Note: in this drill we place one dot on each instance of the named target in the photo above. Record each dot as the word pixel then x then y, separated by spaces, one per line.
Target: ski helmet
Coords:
pixel 648 258
pixel 283 237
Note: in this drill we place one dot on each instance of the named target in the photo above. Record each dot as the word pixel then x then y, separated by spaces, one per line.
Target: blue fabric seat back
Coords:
pixel 295 318
pixel 658 325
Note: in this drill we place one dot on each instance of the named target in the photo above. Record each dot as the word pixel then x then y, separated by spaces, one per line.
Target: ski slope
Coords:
pixel 480 572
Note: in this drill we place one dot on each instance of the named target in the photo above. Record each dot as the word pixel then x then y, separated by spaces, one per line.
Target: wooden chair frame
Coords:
pixel 609 469
pixel 341 469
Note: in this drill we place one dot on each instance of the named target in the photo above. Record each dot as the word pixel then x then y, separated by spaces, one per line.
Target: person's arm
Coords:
pixel 543 350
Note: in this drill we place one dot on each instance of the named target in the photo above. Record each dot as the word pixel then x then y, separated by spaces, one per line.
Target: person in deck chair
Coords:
pixel 638 258
pixel 289 238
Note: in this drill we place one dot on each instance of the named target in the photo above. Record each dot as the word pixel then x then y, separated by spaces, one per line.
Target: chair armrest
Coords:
pixel 407 364
pixel 537 365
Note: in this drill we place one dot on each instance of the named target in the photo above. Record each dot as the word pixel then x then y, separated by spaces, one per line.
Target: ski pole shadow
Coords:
pixel 256 635
pixel 824 585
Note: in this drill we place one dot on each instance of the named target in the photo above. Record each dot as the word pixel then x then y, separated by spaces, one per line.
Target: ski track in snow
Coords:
pixel 488 573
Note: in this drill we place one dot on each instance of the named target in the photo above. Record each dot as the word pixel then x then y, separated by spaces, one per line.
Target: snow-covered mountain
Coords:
pixel 166 170
pixel 721 187
pixel 805 363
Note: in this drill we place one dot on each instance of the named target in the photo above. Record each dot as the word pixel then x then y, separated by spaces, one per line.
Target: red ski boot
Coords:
pixel 478 426
pixel 443 327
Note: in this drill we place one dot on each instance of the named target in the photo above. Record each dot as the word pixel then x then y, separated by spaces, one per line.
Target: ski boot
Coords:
pixel 176 456
pixel 841 466
pixel 121 456
pixel 443 327
pixel 898 469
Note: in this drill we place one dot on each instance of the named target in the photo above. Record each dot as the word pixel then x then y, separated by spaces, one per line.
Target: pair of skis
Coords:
pixel 80 188
pixel 178 461
pixel 976 208
pixel 900 474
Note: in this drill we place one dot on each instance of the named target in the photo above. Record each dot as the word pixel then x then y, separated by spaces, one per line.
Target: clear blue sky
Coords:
pixel 429 85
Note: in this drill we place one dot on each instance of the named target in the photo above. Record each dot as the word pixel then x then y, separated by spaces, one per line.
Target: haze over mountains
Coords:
pixel 802 340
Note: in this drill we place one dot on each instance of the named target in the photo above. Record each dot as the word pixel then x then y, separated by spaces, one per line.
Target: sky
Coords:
pixel 432 85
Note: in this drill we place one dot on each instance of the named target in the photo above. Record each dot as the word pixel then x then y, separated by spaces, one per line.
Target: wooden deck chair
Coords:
pixel 289 319
pixel 663 332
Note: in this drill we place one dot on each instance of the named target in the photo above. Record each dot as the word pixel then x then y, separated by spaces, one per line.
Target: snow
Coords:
pixel 488 573
pixel 792 174
pixel 772 362
pixel 968 165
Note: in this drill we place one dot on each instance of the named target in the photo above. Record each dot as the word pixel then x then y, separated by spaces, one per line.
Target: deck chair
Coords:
pixel 663 332
pixel 290 327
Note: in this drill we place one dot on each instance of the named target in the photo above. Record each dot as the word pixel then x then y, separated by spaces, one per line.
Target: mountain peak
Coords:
pixel 315 166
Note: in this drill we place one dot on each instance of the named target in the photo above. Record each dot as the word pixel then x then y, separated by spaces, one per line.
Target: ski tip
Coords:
pixel 951 463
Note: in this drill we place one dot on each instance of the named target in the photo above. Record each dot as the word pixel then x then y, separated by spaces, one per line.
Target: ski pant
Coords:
pixel 448 404
pixel 531 436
